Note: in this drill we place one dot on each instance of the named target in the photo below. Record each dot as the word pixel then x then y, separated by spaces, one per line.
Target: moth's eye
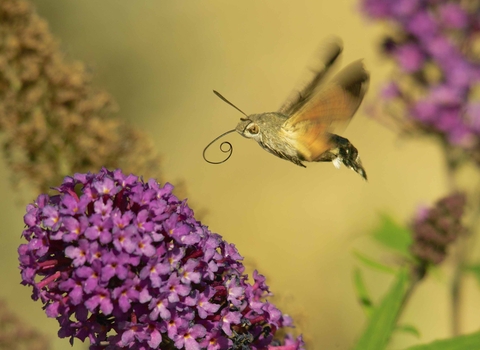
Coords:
pixel 253 129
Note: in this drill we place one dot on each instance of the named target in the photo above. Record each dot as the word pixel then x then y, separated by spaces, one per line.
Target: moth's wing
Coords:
pixel 326 59
pixel 331 107
pixel 337 101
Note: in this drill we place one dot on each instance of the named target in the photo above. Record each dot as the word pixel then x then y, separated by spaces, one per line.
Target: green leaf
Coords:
pixel 374 264
pixel 407 328
pixel 463 342
pixel 475 269
pixel 384 317
pixel 362 294
pixel 393 235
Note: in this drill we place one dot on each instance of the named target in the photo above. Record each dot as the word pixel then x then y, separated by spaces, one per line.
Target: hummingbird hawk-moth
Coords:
pixel 302 129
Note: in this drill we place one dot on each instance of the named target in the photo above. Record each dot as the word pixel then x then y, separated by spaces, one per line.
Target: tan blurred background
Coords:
pixel 161 60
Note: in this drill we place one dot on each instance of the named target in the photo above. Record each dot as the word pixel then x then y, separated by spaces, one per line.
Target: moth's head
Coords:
pixel 249 127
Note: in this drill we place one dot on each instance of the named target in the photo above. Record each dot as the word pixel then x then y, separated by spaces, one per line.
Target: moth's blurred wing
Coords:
pixel 328 54
pixel 333 106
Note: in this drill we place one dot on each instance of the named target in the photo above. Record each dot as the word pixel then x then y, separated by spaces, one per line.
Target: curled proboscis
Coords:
pixel 225 147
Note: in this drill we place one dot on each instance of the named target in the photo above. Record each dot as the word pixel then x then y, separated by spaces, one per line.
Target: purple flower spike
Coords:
pixel 438 227
pixel 124 263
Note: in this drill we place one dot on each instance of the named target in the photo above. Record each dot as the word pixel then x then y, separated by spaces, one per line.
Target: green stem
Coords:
pixel 417 274
pixel 457 284
pixel 463 250
pixel 459 255
pixel 451 165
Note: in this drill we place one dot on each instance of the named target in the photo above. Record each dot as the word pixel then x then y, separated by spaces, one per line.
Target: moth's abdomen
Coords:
pixel 342 151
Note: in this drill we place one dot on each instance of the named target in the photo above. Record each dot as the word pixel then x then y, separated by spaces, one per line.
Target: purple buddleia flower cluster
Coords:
pixel 438 227
pixel 436 86
pixel 124 262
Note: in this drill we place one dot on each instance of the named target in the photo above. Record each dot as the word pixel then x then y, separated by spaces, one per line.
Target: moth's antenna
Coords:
pixel 228 150
pixel 230 103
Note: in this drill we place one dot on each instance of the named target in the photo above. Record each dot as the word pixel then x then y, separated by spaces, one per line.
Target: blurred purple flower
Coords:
pixel 453 15
pixel 434 88
pixel 473 114
pixel 421 24
pixel 410 57
pixel 125 263
pixel 389 90
pixel 424 111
